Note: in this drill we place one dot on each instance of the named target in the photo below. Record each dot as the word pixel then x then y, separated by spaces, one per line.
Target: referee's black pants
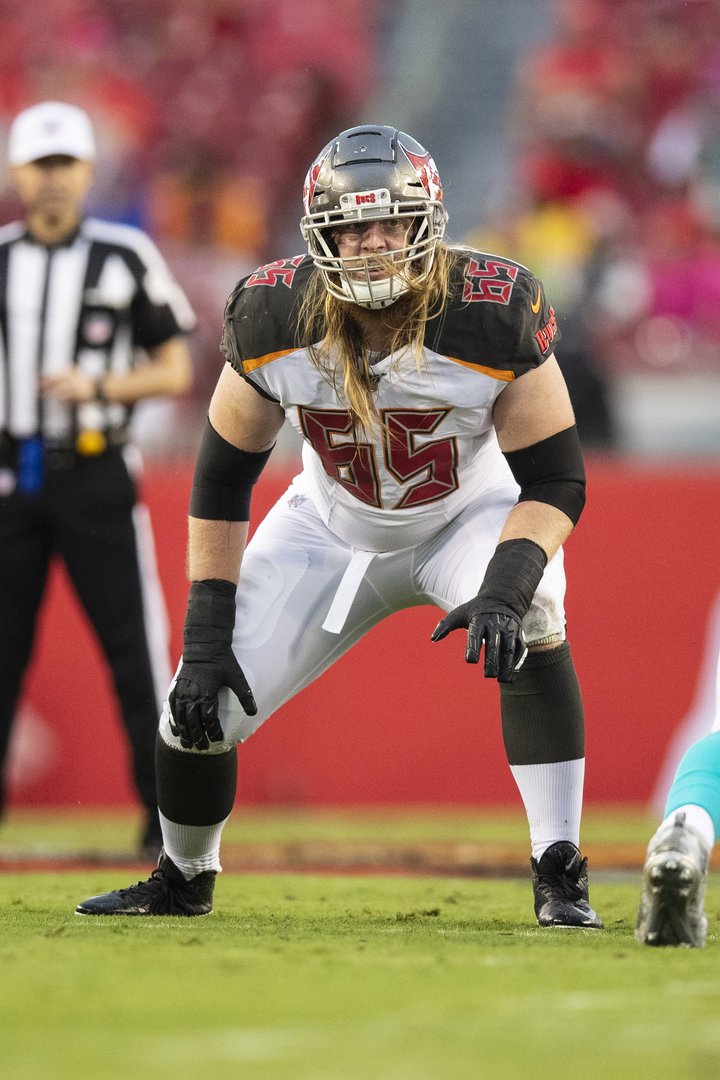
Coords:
pixel 84 516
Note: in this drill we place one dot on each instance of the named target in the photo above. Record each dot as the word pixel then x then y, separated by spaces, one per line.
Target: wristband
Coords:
pixel 513 575
pixel 210 615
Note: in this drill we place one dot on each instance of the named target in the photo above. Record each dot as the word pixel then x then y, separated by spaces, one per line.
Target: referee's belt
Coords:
pixel 66 452
pixel 87 445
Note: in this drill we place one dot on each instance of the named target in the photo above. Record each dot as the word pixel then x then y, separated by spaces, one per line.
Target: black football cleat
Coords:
pixel 166 892
pixel 671 908
pixel 560 884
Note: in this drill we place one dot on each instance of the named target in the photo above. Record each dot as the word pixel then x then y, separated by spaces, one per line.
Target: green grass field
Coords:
pixel 341 977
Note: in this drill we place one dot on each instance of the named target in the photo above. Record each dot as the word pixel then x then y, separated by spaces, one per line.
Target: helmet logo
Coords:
pixel 349 200
pixel 312 178
pixel 424 166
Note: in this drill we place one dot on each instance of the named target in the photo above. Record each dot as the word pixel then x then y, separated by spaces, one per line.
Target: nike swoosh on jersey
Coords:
pixel 536 306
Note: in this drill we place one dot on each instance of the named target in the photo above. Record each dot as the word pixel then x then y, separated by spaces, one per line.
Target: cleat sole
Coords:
pixel 669 919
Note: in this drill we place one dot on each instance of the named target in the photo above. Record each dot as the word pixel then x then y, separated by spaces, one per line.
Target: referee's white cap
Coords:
pixel 52 127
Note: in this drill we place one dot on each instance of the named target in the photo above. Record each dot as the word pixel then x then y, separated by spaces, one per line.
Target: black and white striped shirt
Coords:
pixel 95 300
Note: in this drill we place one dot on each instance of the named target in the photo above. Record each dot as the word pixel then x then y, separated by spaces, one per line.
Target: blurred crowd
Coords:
pixel 203 108
pixel 208 113
pixel 615 195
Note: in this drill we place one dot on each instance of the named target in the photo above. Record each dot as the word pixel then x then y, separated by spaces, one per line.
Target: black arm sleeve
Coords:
pixel 552 471
pixel 224 478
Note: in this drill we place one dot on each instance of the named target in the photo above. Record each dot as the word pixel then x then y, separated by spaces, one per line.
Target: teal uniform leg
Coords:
pixel 697 780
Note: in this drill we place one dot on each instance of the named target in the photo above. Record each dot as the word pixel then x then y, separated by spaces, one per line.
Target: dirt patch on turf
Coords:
pixel 432 857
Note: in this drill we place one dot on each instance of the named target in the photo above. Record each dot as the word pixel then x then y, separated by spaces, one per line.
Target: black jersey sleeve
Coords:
pixel 261 314
pixel 229 345
pixel 538 331
pixel 499 317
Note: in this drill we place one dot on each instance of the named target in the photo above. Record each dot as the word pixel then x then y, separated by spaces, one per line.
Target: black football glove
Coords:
pixel 498 628
pixel 208 664
pixel 494 617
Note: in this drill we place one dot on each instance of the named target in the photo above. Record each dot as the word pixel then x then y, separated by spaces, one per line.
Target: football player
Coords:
pixel 672 901
pixel 441 465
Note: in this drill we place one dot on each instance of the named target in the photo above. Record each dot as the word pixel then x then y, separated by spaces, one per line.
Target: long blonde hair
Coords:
pixel 331 330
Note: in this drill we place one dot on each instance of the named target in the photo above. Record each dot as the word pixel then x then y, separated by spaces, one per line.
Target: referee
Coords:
pixel 91 321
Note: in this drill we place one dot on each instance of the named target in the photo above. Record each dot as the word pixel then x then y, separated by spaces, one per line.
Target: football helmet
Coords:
pixel 369 173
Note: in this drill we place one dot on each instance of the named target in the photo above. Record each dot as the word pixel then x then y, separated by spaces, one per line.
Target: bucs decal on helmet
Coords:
pixel 427 172
pixel 312 177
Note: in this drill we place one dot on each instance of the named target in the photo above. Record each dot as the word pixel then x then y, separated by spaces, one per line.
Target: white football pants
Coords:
pixel 305 597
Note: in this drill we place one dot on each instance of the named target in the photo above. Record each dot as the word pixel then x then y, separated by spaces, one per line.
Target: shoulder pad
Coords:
pixel 261 312
pixel 498 318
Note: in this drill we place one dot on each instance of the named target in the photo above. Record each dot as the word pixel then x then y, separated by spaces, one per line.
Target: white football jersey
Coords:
pixel 435 450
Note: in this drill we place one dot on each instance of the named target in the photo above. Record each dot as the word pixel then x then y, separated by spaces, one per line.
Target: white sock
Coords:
pixel 697 818
pixel 552 794
pixel 193 848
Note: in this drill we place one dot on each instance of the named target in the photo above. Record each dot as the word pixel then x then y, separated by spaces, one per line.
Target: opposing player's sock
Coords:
pixel 695 818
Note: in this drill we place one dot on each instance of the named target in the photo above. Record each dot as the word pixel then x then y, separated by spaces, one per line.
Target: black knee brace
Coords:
pixel 542 710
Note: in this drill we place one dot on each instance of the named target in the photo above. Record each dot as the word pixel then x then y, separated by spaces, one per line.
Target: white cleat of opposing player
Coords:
pixel 673 889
